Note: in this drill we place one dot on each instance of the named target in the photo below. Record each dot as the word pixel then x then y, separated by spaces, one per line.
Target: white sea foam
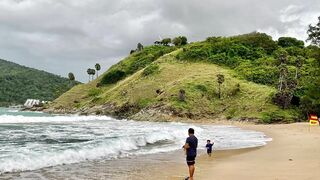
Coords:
pixel 6 119
pixel 29 143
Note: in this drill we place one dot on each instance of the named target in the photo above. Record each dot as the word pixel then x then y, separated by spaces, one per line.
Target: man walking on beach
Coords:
pixel 191 151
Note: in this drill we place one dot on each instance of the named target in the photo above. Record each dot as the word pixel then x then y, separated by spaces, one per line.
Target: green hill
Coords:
pixel 147 84
pixel 19 83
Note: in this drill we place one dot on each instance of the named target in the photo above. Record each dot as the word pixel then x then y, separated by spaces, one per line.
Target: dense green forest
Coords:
pixel 18 83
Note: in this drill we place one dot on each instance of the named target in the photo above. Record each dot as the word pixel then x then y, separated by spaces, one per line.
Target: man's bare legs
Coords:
pixel 191 171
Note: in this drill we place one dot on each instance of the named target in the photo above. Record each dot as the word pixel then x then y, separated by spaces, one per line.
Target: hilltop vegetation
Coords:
pixel 257 58
pixel 273 81
pixel 19 83
pixel 135 62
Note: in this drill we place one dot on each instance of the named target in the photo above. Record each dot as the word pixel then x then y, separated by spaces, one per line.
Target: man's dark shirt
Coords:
pixel 193 144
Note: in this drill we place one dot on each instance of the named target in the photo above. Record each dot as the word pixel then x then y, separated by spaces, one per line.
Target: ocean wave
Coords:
pixel 112 148
pixel 11 119
pixel 30 143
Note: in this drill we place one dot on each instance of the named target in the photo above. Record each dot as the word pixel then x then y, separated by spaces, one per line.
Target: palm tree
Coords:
pixel 220 81
pixel 89 73
pixel 98 68
pixel 93 72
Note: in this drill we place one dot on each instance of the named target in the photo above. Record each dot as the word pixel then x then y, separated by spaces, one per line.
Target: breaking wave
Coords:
pixel 30 143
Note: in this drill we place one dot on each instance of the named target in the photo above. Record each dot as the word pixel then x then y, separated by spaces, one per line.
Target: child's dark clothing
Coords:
pixel 209 148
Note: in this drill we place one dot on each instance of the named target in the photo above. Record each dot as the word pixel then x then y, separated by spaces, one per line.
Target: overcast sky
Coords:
pixel 62 36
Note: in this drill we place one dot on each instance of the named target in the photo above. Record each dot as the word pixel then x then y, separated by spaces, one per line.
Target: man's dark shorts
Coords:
pixel 209 151
pixel 191 160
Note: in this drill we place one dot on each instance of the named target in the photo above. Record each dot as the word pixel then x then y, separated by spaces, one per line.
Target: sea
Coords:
pixel 36 145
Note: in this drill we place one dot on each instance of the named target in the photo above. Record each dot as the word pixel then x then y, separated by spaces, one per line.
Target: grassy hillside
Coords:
pixel 18 83
pixel 155 96
pixel 263 79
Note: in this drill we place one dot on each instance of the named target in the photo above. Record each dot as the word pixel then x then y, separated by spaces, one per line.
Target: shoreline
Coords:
pixel 293 153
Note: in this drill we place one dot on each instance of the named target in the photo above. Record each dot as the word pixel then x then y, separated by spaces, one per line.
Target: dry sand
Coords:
pixel 294 153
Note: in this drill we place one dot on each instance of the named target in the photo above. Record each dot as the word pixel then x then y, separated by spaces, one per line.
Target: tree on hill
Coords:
pixel 310 102
pixel 256 39
pixel 220 80
pixel 71 76
pixel 166 41
pixel 289 42
pixel 180 41
pixel 98 68
pixel 299 63
pixel 314 33
pixel 139 47
pixel 157 42
pixel 176 41
pixel 91 73
pixel 287 85
pixel 283 59
pixel 184 40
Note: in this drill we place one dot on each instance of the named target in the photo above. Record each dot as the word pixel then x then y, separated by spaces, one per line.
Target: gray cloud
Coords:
pixel 60 36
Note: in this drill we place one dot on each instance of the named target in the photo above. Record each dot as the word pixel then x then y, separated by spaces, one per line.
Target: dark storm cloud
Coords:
pixel 71 35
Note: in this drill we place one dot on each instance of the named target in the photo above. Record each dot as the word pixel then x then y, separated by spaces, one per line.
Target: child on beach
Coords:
pixel 209 147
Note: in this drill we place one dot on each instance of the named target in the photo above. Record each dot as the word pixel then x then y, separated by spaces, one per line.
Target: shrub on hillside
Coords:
pixel 201 87
pixel 276 117
pixel 182 95
pixel 257 39
pixel 289 42
pixel 223 59
pixel 235 90
pixel 94 92
pixel 259 74
pixel 194 52
pixel 151 69
pixel 229 51
pixel 134 63
pixel 141 63
pixel 143 58
pixel 144 102
pixel 113 77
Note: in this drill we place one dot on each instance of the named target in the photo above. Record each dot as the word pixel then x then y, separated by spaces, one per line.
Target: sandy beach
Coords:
pixel 294 153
